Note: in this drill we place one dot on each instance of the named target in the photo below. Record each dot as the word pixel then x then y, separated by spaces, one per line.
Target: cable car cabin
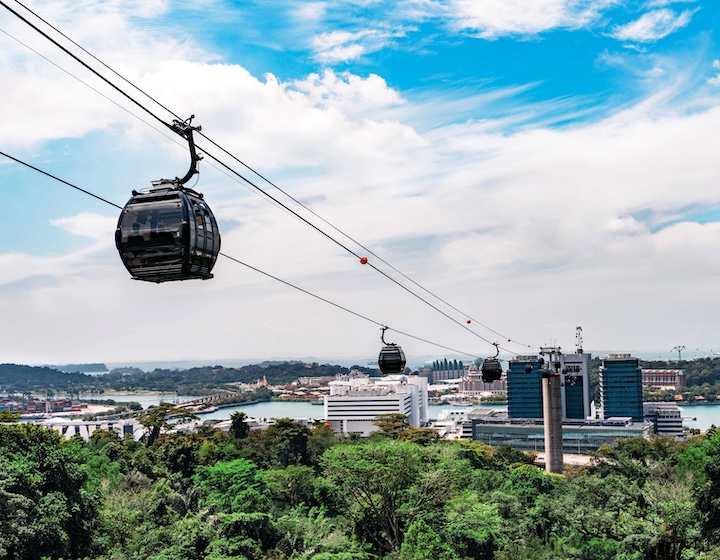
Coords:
pixel 491 370
pixel 391 359
pixel 167 234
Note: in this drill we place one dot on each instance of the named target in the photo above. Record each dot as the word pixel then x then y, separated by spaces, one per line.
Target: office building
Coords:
pixel 621 387
pixel 524 388
pixel 575 385
pixel 667 418
pixel 355 402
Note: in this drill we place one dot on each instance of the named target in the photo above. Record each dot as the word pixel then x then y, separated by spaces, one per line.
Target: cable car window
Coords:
pixel 151 218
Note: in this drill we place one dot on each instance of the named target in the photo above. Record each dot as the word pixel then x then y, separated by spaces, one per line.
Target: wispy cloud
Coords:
pixel 87 224
pixel 662 3
pixel 653 26
pixel 716 80
pixel 491 19
pixel 345 46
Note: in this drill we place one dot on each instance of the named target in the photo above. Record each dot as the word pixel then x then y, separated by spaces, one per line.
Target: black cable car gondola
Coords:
pixel 392 357
pixel 491 369
pixel 169 233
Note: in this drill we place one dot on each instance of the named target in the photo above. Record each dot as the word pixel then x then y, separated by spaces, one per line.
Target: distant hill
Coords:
pixel 80 368
pixel 16 378
pixel 193 381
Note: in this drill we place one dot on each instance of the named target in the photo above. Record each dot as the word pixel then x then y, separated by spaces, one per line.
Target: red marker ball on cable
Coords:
pixel 468 321
pixel 363 260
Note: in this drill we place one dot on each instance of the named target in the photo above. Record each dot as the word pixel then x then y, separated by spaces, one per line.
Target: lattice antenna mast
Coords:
pixel 578 340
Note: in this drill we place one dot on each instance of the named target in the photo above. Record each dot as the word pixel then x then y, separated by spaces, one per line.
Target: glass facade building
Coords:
pixel 575 386
pixel 621 387
pixel 525 388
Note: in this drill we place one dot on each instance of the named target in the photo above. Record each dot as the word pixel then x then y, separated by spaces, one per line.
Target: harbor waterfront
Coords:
pixel 699 417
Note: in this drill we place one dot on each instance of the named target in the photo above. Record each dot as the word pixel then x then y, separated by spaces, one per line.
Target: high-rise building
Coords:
pixel 524 387
pixel 575 385
pixel 621 387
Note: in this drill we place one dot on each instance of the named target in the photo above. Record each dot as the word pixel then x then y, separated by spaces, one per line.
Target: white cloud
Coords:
pixel 310 12
pixel 626 225
pixel 662 3
pixel 499 221
pixel 344 46
pixel 496 18
pixel 716 80
pixel 103 28
pixel 653 26
pixel 87 224
pixel 349 93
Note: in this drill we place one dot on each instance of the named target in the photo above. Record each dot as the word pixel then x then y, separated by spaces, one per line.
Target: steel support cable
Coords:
pixel 128 111
pixel 73 76
pixel 123 78
pixel 83 63
pixel 161 131
pixel 238 261
pixel 359 244
pixel 60 180
pixel 344 308
pixel 270 198
pixel 138 104
pixel 268 181
pixel 324 233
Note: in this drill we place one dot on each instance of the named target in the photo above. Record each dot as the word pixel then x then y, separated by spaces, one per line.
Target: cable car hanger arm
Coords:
pixel 185 129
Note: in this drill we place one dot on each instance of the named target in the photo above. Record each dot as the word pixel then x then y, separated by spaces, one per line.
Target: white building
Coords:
pixel 355 402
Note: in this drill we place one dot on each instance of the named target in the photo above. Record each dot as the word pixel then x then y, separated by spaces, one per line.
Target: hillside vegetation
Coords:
pixel 295 493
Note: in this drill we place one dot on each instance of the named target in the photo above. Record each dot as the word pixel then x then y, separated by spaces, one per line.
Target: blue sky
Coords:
pixel 541 164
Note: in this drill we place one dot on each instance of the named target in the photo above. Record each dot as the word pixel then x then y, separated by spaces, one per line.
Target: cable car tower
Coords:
pixel 169 232
pixel 552 410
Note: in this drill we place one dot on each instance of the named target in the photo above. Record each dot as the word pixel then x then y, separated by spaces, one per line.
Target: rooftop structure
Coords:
pixel 578 436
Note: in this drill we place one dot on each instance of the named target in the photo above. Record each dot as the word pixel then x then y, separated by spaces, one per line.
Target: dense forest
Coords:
pixel 290 492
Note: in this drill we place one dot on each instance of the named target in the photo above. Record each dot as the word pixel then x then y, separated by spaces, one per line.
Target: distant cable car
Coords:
pixel 491 369
pixel 392 358
pixel 169 233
